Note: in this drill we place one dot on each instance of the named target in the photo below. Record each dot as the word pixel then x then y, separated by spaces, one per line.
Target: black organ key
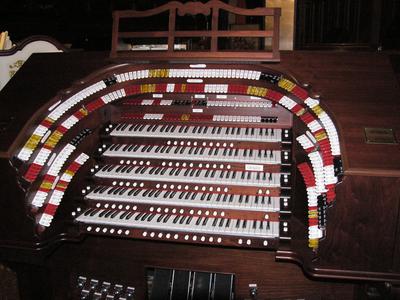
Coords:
pixel 218 197
pixel 114 214
pixel 176 219
pixel 102 213
pixel 214 223
pixel 124 214
pixel 97 189
pixel 254 225
pixel 237 225
pixel 151 217
pixel 133 127
pixel 160 217
pixel 244 224
pixel 144 216
pixel 118 169
pixel 128 216
pixel 112 147
pixel 138 216
pixel 118 127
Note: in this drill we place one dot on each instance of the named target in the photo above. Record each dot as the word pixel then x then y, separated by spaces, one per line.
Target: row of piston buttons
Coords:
pixel 168 235
pixel 93 289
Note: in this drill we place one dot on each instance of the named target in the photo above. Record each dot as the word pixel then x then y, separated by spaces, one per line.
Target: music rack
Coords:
pixel 212 8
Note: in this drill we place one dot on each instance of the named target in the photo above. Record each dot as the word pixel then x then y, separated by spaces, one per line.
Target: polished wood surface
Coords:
pixel 357 89
pixel 361 91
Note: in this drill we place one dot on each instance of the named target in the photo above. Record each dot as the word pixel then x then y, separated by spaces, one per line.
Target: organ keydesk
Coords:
pixel 200 180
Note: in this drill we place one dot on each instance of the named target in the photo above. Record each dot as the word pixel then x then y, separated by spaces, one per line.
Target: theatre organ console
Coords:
pixel 201 180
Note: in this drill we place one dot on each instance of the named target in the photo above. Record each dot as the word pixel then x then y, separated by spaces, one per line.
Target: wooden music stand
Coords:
pixel 212 8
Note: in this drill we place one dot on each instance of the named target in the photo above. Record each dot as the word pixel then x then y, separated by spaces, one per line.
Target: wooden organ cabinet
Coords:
pixel 201 180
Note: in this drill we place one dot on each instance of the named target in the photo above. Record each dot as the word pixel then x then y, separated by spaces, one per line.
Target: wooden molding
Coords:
pixel 20 45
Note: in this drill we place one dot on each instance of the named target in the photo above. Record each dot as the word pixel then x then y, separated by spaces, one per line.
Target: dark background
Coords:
pixel 86 24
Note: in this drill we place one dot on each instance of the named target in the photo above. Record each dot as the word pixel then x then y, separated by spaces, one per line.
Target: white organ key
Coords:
pixel 209 176
pixel 178 223
pixel 190 199
pixel 198 132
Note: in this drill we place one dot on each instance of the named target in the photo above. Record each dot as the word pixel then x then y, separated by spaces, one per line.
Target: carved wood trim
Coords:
pixel 20 45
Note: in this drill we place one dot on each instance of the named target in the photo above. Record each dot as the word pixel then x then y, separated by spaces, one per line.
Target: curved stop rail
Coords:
pixel 212 8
